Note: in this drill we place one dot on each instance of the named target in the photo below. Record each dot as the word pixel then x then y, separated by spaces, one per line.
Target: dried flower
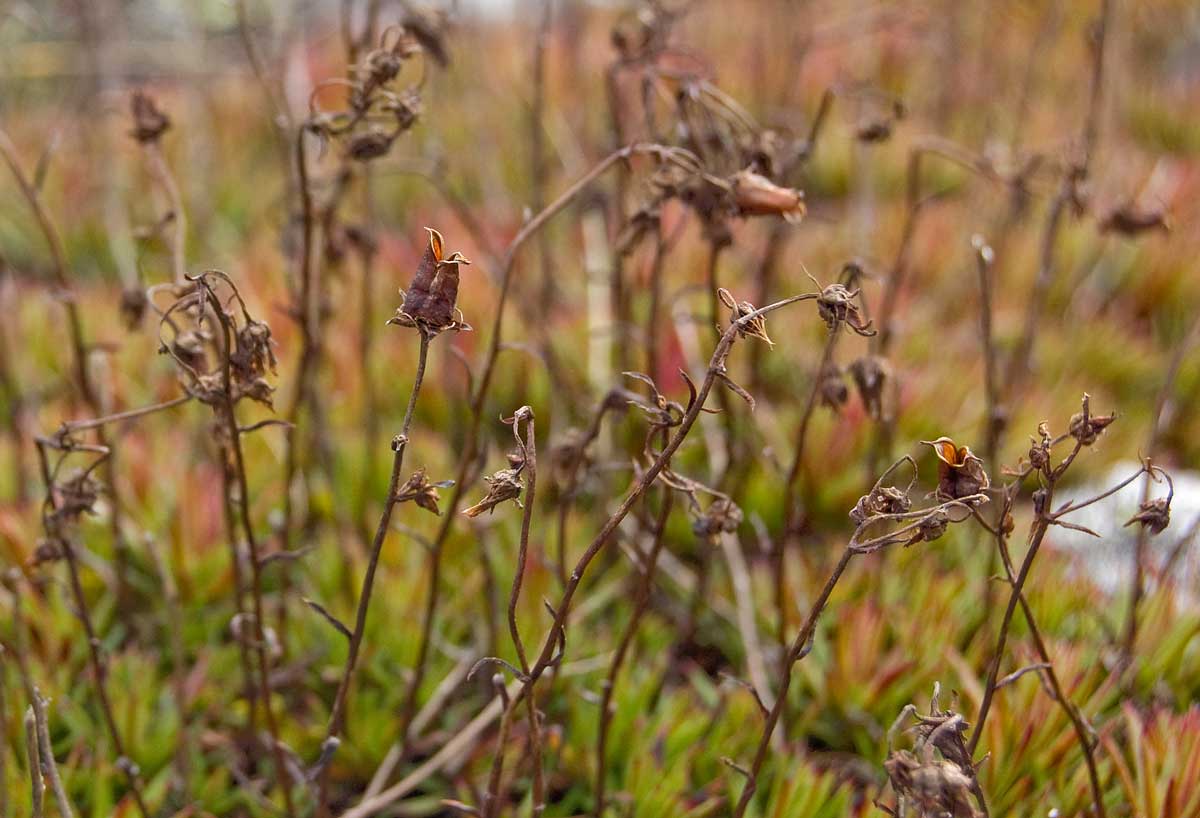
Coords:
pixel 429 302
pixel 1153 514
pixel 1086 427
pixel 831 387
pixel 425 494
pixel 960 473
pixel 722 516
pixel 253 354
pixel 754 328
pixel 836 306
pixel 933 525
pixel 935 787
pixel 757 195
pixel 502 486
pixel 871 375
pixel 149 123
pixel 880 500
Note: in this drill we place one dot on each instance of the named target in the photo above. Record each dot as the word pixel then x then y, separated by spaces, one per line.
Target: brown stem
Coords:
pixel 234 435
pixel 399 445
pixel 555 640
pixel 483 384
pixel 790 509
pixel 491 803
pixel 641 601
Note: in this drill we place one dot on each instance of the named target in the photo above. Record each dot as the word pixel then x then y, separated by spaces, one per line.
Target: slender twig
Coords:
pixel 555 641
pixel 161 172
pixel 37 787
pixel 46 753
pixel 1161 403
pixel 483 382
pixel 491 802
pixel 234 441
pixel 399 446
pixel 641 601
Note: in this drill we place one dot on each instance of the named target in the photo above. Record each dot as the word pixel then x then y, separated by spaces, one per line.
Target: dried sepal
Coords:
pixel 960 472
pixel 418 489
pixel 756 327
pixel 430 300
pixel 722 516
pixel 836 307
pixel 1086 427
pixel 1154 515
pixel 503 486
pixel 831 387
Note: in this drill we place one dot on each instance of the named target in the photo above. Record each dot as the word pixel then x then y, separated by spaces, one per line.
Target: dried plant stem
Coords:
pixel 491 803
pixel 1077 723
pixel 241 609
pixel 555 640
pixel 794 653
pixel 1161 403
pixel 399 446
pixel 234 437
pixel 640 603
pixel 37 788
pixel 46 752
pixel 99 673
pixel 483 384
pixel 790 487
pixel 366 356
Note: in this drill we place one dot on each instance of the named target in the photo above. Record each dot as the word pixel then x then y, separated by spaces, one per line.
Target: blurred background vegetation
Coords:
pixel 1006 80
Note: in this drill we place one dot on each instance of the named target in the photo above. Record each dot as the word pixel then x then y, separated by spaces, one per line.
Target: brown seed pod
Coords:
pixel 756 195
pixel 429 302
pixel 960 473
pixel 149 123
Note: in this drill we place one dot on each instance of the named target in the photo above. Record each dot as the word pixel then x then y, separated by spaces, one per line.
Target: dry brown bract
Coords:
pixel 425 494
pixel 429 302
pixel 756 195
pixel 960 473
pixel 503 485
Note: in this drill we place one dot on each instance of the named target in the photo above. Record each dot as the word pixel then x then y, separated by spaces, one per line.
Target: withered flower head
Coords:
pixel 1153 514
pixel 504 485
pixel 880 500
pixel 960 473
pixel 429 302
pixel 722 516
pixel 425 494
pixel 933 525
pixel 933 786
pixel 756 195
pixel 1086 427
pixel 754 328
pixel 836 306
pixel 831 387
pixel 253 354
pixel 871 375
pixel 149 123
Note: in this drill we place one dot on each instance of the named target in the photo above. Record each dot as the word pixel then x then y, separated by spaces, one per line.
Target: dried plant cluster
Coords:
pixel 717 601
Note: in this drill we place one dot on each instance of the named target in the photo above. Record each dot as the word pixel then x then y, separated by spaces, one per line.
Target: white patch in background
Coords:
pixel 1108 560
